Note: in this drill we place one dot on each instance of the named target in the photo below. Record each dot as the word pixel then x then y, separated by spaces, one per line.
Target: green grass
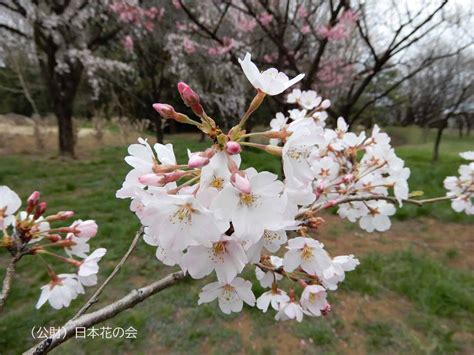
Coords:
pixel 172 322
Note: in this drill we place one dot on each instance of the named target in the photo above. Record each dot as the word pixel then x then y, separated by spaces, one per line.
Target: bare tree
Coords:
pixel 64 34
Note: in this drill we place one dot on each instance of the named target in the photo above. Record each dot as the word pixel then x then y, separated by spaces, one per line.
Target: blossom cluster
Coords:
pixel 210 216
pixel 29 232
pixel 337 165
pixel 461 188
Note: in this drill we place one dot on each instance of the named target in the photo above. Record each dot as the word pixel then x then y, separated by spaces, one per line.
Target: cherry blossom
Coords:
pixel 231 296
pixel 9 204
pixel 289 310
pixel 462 188
pixel 271 81
pixel 89 266
pixel 274 297
pixel 60 291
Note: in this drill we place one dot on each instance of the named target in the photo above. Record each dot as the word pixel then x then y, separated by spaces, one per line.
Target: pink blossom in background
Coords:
pixel 349 17
pixel 334 72
pixel 149 26
pixel 127 43
pixel 245 24
pixel 302 12
pixel 137 15
pixel 217 51
pixel 270 58
pixel 181 26
pixel 265 18
pixel 189 46
pixel 335 33
pixel 176 4
pixel 305 29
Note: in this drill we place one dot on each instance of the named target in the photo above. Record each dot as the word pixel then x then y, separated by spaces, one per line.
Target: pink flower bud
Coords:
pixel 233 147
pixel 241 182
pixel 327 308
pixel 152 179
pixel 190 98
pixel 325 104
pixel 197 160
pixel 85 229
pixel 320 189
pixel 32 201
pixel 40 209
pixel 188 95
pixel 165 110
pixel 348 178
pixel 65 214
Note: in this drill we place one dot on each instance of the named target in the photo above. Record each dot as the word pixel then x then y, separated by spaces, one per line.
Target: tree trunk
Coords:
pixel 158 128
pixel 439 134
pixel 65 130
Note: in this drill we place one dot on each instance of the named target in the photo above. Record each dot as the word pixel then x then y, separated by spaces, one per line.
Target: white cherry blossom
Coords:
pixel 231 296
pixel 60 291
pixel 271 81
pixel 9 204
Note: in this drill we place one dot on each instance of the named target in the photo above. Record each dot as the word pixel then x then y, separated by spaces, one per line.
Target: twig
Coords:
pixel 392 199
pixel 89 319
pixel 94 298
pixel 7 281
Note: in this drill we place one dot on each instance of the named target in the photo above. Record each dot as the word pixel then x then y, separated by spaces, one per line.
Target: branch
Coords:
pixel 7 281
pixel 87 320
pixel 13 30
pixel 419 203
pixel 94 298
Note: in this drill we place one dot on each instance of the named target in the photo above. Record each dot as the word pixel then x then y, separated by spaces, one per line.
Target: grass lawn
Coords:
pixel 411 294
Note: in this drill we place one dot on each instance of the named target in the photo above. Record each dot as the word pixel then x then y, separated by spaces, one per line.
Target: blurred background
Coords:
pixel 77 82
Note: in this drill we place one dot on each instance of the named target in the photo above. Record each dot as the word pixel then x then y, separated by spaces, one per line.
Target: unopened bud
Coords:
pixel 53 238
pixel 197 160
pixel 152 179
pixel 32 201
pixel 348 178
pixel 190 98
pixel 166 111
pixel 325 104
pixel 325 311
pixel 241 182
pixel 233 147
pixel 320 189
pixel 40 209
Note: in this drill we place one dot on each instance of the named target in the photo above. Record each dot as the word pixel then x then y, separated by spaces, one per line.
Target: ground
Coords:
pixel 411 294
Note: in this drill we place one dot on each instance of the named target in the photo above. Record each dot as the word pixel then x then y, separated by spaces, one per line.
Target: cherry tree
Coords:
pixel 343 46
pixel 63 38
pixel 210 218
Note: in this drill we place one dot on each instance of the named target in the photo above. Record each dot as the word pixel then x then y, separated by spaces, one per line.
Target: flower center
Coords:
pixel 218 248
pixel 373 211
pixel 228 292
pixel 270 236
pixel 306 253
pixel 217 183
pixel 294 154
pixel 247 199
pixel 183 214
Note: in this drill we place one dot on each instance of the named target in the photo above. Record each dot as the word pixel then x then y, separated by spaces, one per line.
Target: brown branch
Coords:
pixel 89 319
pixel 95 297
pixel 7 281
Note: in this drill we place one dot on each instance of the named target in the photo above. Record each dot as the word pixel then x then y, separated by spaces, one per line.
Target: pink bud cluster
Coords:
pixel 29 232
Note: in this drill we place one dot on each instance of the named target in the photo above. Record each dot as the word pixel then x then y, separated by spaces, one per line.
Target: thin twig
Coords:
pixel 419 203
pixel 89 319
pixel 7 281
pixel 95 297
